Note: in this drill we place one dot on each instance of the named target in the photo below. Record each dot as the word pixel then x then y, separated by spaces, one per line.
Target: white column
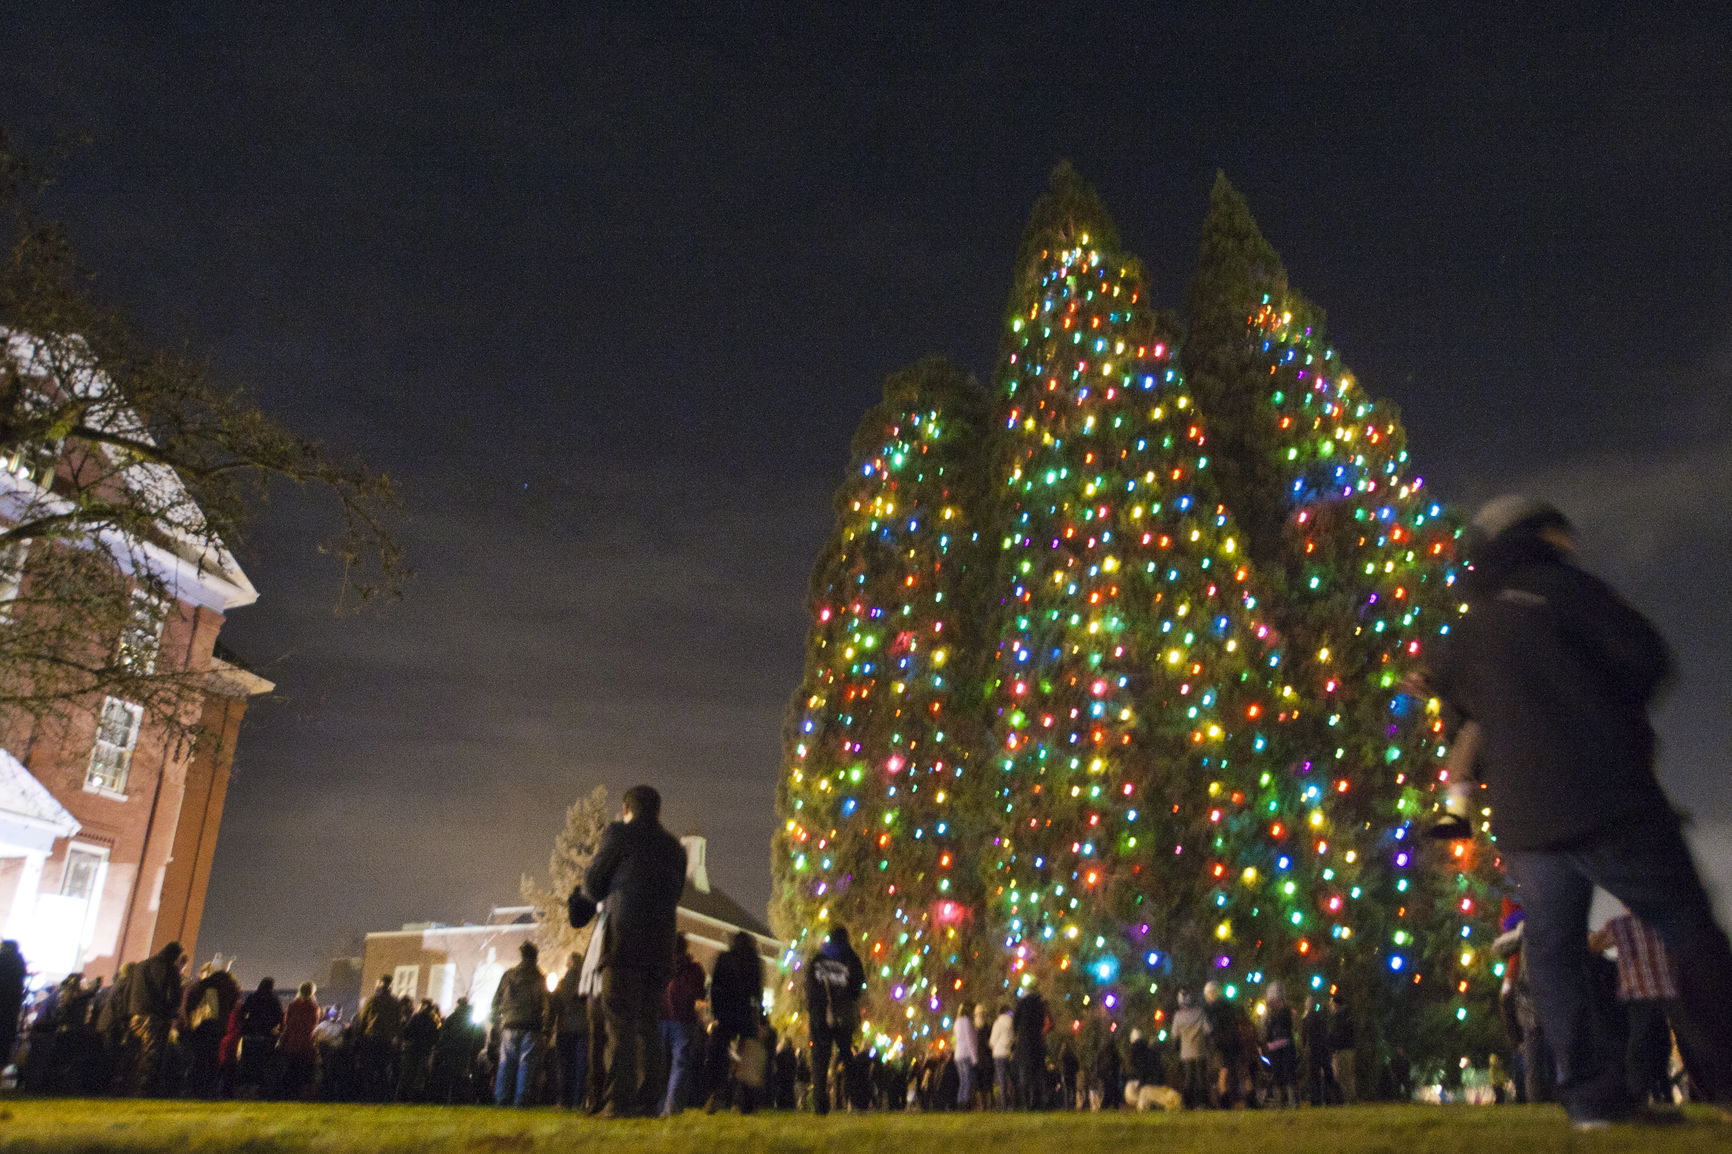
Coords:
pixel 21 919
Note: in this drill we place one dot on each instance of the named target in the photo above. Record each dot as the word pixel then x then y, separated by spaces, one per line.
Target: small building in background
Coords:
pixel 446 962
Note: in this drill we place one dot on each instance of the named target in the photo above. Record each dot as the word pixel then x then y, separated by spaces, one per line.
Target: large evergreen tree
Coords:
pixel 1127 673
pixel 1359 561
pixel 1104 686
pixel 884 729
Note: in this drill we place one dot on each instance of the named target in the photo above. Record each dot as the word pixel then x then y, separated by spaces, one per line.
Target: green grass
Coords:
pixel 74 1126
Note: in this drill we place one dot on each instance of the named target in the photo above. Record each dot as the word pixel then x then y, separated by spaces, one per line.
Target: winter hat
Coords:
pixel 1508 513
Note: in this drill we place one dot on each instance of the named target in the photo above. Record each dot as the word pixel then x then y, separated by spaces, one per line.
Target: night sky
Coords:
pixel 607 290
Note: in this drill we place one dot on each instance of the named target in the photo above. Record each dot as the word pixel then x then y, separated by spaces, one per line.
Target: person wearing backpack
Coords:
pixel 835 980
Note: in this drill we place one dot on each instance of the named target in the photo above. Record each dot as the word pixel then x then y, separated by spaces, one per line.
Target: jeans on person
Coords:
pixel 965 1083
pixel 519 1056
pixel 1645 864
pixel 678 1042
pixel 1003 1086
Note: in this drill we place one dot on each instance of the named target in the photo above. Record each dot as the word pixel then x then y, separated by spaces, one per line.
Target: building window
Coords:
pixel 12 557
pixel 406 981
pixel 116 738
pixel 33 462
pixel 442 985
pixel 141 638
pixel 83 873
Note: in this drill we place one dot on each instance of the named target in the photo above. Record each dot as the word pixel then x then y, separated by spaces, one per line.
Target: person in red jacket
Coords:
pixel 680 1028
pixel 299 1057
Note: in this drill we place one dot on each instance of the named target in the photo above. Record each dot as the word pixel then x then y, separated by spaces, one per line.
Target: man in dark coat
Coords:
pixel 1558 674
pixel 1030 1022
pixel 835 981
pixel 153 1002
pixel 639 871
pixel 261 1020
pixel 207 1008
pixel 378 1035
pixel 737 1004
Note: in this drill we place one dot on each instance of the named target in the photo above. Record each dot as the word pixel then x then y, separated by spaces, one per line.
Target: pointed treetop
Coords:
pixel 1236 266
pixel 1070 210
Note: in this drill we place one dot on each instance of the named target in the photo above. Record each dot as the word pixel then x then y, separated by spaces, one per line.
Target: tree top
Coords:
pixel 1069 210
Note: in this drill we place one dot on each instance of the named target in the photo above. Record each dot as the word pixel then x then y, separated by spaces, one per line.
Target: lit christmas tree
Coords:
pixel 1359 561
pixel 1103 687
pixel 884 728
pixel 1130 679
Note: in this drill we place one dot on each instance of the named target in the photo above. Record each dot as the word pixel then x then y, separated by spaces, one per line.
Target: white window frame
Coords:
pixel 99 860
pixel 141 636
pixel 92 899
pixel 442 985
pixel 406 981
pixel 33 463
pixel 110 761
pixel 13 556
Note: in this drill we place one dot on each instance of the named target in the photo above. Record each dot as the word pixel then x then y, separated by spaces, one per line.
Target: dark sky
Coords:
pixel 607 289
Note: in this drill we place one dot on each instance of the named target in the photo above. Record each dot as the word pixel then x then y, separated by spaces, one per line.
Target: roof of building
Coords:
pixel 712 904
pixel 720 907
pixel 23 797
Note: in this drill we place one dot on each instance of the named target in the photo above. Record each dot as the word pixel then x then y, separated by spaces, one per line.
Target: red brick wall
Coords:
pixel 139 829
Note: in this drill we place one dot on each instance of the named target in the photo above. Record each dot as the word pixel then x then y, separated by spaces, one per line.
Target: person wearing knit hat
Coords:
pixel 1557 673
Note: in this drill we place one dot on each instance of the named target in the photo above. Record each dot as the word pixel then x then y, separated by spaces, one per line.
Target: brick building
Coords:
pixel 108 811
pixel 444 962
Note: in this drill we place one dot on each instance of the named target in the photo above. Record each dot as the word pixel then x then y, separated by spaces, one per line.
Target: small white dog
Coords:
pixel 1145 1097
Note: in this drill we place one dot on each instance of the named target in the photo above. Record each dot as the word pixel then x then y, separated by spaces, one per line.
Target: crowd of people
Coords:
pixel 1546 682
pixel 156 1032
pixel 634 1027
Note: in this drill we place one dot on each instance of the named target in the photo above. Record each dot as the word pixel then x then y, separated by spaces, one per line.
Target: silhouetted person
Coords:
pixel 154 1002
pixel 13 972
pixel 520 1016
pixel 299 1059
pixel 378 1031
pixel 681 1031
pixel 261 1019
pixel 1281 1046
pixel 736 1004
pixel 1558 673
pixel 639 871
pixel 571 1034
pixel 420 1035
pixel 835 981
pixel 208 1006
pixel 1030 1022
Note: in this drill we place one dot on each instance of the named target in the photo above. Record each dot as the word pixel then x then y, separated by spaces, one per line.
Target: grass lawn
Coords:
pixel 71 1126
